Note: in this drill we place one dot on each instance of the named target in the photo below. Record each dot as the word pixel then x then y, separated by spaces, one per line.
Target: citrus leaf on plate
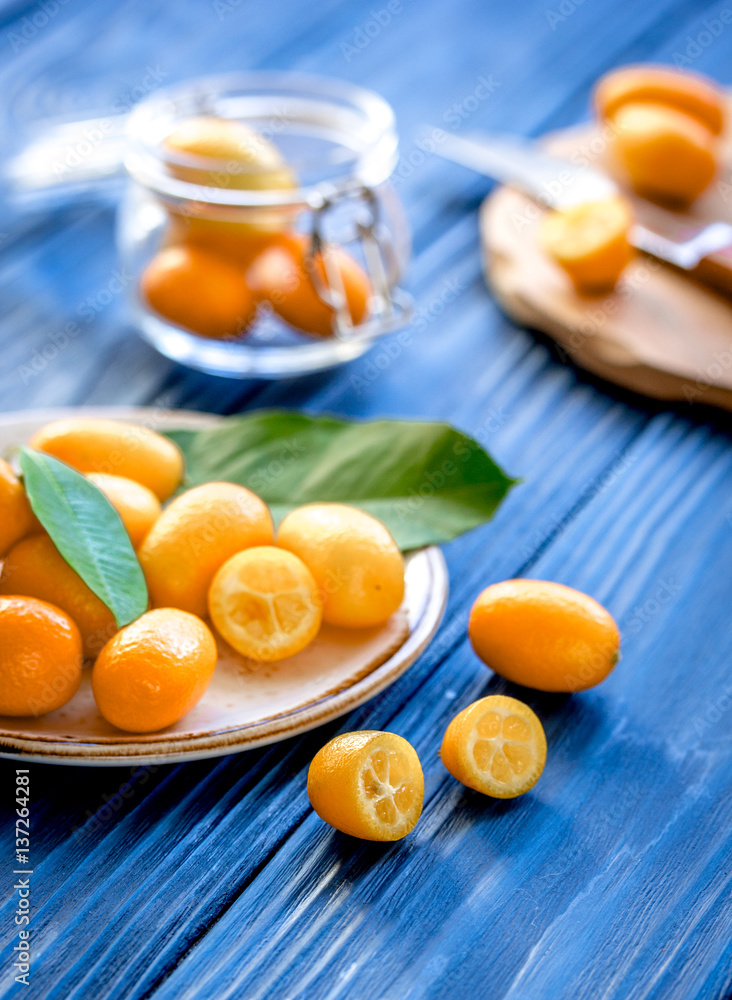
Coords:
pixel 428 482
pixel 87 531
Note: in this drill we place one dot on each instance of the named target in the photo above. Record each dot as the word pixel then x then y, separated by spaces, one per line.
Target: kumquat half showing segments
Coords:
pixel 495 746
pixel 367 784
pixel 265 603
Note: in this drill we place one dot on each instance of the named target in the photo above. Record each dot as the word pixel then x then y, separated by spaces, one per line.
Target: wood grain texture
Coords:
pixel 215 879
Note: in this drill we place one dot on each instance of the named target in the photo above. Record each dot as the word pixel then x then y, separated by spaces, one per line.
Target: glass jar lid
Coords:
pixel 335 136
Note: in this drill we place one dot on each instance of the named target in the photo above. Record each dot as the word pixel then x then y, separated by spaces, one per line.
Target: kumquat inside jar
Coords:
pixel 260 226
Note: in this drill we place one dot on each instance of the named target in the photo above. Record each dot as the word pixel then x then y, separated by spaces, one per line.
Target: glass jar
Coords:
pixel 340 143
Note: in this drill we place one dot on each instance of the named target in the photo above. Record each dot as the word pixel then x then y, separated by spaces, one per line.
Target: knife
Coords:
pixel 704 250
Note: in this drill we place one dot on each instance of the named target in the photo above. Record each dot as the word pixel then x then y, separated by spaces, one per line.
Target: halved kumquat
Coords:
pixel 691 93
pixel 367 784
pixel 495 746
pixel 265 603
pixel 590 242
pixel 667 155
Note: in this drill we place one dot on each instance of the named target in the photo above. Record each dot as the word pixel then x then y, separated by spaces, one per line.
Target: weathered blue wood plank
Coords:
pixel 215 879
pixel 106 877
pixel 608 877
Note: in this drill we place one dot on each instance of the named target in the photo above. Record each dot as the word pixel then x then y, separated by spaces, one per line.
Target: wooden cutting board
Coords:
pixel 660 332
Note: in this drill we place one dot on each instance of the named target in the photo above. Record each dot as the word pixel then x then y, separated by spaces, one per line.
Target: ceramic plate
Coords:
pixel 244 706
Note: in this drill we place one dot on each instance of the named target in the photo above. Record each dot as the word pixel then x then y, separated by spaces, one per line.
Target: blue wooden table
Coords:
pixel 215 879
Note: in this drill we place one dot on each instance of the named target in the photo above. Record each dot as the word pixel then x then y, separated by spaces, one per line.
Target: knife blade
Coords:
pixel 558 183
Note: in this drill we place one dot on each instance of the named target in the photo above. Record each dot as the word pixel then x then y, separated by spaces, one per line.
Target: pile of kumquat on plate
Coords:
pixel 204 563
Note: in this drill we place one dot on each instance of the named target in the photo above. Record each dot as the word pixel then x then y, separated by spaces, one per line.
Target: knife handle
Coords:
pixel 715 270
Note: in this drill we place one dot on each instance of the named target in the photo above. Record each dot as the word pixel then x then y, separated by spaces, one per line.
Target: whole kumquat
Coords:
pixel 154 671
pixel 93 444
pixel 228 154
pixel 40 657
pixel 356 563
pixel 194 536
pixel 283 276
pixel 16 517
pixel 544 635
pixel 223 152
pixel 590 241
pixel 137 506
pixel 36 568
pixel 199 290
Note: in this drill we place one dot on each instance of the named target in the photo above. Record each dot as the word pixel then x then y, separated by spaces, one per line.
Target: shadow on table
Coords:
pixel 696 409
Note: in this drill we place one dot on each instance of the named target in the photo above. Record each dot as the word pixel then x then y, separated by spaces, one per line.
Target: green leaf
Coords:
pixel 427 482
pixel 87 531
